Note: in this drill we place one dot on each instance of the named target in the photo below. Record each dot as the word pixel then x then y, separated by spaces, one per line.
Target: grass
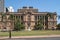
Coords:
pixel 32 33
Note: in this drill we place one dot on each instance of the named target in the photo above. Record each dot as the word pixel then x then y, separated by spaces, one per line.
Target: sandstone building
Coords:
pixel 29 16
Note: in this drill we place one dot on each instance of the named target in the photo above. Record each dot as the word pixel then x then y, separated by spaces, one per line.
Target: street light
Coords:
pixel 9 29
pixel 9 33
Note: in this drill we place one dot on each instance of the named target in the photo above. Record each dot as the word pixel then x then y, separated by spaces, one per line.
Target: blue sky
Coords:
pixel 42 5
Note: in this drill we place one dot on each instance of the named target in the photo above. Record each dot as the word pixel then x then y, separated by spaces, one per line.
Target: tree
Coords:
pixel 39 25
pixel 50 15
pixel 58 16
pixel 18 25
pixel 58 26
pixel 17 22
pixel 3 16
pixel 12 17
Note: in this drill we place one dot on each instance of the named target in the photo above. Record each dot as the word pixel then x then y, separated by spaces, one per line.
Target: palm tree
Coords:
pixel 49 15
pixel 39 25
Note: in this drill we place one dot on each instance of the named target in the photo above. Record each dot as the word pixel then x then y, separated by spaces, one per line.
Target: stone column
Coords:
pixel 37 18
pixel 44 22
pixel 25 26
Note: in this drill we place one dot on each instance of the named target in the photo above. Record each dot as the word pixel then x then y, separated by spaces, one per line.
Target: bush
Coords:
pixel 18 26
pixel 58 26
pixel 38 27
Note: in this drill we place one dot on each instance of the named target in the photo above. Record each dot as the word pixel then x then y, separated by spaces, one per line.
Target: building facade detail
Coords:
pixel 30 17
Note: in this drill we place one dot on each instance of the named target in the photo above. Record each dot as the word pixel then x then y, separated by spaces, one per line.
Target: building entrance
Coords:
pixel 29 21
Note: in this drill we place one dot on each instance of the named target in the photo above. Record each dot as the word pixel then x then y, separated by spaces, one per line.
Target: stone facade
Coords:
pixel 30 17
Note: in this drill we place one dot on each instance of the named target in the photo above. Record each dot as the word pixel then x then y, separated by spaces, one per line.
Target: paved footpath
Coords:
pixel 42 36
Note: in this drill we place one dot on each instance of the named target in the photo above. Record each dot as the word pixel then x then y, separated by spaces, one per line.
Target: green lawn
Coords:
pixel 32 33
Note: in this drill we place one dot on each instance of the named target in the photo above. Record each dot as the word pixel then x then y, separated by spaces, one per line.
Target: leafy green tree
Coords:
pixel 3 16
pixel 39 25
pixel 11 17
pixel 58 17
pixel 18 25
pixel 58 26
pixel 50 15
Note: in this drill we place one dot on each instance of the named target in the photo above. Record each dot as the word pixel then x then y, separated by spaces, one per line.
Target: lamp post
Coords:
pixel 9 29
pixel 9 33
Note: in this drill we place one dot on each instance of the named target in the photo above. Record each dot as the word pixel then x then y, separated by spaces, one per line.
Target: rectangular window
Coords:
pixel 21 17
pixel 35 18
